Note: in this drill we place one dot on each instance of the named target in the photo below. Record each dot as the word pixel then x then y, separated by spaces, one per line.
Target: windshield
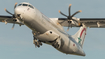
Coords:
pixel 26 5
pixel 31 6
pixel 19 4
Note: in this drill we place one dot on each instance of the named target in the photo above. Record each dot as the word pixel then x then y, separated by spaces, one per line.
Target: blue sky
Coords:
pixel 18 43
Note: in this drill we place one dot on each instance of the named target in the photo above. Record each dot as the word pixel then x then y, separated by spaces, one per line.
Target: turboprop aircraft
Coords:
pixel 50 30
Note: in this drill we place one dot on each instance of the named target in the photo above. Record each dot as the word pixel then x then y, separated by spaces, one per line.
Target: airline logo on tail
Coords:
pixel 82 36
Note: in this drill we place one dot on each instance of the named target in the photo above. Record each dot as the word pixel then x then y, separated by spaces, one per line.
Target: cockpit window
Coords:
pixel 19 4
pixel 31 6
pixel 25 5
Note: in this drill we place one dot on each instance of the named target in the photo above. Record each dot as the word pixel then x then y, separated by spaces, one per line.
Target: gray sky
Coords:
pixel 17 43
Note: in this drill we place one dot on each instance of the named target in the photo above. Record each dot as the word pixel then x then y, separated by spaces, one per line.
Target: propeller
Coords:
pixel 13 15
pixel 69 17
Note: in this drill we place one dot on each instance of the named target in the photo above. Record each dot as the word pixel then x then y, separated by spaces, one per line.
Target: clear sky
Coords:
pixel 18 43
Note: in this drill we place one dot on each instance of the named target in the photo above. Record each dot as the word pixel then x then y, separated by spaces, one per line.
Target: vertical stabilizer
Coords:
pixel 80 35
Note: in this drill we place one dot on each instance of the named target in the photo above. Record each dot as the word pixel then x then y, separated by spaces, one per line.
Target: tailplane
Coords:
pixel 80 35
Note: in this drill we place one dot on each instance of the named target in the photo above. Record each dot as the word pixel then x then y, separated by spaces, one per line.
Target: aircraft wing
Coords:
pixel 77 22
pixel 9 19
pixel 93 22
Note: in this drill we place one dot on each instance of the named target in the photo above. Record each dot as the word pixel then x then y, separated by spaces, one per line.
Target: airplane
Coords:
pixel 50 30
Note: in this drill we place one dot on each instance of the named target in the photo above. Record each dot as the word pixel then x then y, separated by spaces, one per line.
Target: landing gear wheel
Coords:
pixel 40 43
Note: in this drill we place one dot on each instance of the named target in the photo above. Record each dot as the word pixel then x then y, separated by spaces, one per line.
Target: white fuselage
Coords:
pixel 40 24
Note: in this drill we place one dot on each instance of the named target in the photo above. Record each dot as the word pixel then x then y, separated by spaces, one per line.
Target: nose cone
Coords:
pixel 18 10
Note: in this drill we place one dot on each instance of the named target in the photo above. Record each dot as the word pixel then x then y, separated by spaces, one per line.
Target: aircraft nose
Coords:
pixel 18 11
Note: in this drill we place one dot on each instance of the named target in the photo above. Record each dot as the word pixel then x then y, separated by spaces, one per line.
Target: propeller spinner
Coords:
pixel 69 17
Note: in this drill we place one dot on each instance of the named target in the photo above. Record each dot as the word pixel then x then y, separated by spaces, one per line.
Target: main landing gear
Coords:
pixel 37 42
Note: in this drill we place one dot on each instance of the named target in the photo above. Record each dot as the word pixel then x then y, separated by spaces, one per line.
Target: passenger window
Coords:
pixel 25 5
pixel 31 6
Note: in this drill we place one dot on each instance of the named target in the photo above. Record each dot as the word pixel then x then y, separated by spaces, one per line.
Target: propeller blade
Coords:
pixel 68 27
pixel 13 25
pixel 62 13
pixel 69 17
pixel 8 11
pixel 13 15
pixel 76 13
pixel 15 5
pixel 69 24
pixel 69 10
